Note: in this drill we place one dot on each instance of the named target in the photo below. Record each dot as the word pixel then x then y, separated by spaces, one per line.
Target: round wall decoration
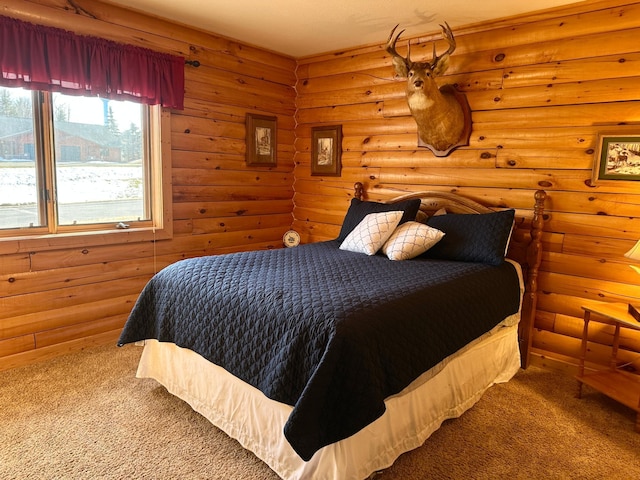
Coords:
pixel 291 238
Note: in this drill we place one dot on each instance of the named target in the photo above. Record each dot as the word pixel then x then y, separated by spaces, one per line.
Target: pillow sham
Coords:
pixel 360 209
pixel 410 240
pixel 372 232
pixel 481 238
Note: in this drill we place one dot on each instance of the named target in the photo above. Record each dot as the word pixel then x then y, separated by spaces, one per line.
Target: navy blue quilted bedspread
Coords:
pixel 330 332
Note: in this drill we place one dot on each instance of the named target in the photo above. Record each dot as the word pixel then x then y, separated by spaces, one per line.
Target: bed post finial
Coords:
pixel 358 190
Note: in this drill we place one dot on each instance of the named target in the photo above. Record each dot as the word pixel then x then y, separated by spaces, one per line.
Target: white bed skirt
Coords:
pixel 247 415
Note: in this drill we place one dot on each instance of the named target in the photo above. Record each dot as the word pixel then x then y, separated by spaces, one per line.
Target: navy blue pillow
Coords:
pixel 480 238
pixel 360 209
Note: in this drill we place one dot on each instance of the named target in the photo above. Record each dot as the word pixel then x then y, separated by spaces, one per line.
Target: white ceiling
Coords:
pixel 306 27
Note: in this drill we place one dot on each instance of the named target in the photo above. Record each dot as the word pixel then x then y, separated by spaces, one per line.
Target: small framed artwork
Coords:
pixel 261 140
pixel 617 158
pixel 326 150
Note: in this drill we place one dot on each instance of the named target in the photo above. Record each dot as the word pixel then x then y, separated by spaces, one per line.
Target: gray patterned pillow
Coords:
pixel 359 209
pixel 410 240
pixel 372 232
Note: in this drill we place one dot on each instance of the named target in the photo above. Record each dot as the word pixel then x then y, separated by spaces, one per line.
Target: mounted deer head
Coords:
pixel 442 114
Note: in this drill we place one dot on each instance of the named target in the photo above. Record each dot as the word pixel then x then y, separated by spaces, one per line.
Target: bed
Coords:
pixel 329 360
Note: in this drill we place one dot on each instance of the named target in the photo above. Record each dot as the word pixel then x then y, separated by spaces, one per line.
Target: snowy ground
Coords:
pixel 76 183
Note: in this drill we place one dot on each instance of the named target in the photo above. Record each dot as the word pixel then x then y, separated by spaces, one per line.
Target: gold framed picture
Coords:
pixel 261 140
pixel 326 150
pixel 617 158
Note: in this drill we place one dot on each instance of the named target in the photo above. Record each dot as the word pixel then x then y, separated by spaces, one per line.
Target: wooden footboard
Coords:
pixel 525 245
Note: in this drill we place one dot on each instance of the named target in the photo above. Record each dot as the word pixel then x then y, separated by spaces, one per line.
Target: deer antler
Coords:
pixel 401 64
pixel 447 34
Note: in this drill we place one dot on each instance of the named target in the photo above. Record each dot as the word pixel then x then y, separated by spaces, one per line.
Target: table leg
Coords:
pixel 583 352
pixel 614 348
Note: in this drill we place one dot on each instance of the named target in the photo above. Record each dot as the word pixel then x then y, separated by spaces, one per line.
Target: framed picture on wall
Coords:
pixel 326 150
pixel 261 140
pixel 617 158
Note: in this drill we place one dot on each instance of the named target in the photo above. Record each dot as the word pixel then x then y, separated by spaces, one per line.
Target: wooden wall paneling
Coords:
pixel 106 21
pixel 79 331
pixel 307 86
pixel 608 249
pixel 541 88
pixel 17 345
pixel 340 113
pixel 329 205
pixel 552 241
pixel 318 232
pixel 589 287
pixel 590 202
pixel 594 114
pixel 249 98
pixel 133 27
pixel 566 348
pixel 13 360
pixel 205 161
pixel 237 224
pixel 560 304
pixel 601 333
pixel 19 262
pixel 572 71
pixel 604 44
pixel 249 62
pixel 348 173
pixel 60 259
pixel 558 94
pixel 546 158
pixel 206 143
pixel 263 238
pixel 262 190
pixel 42 280
pixel 231 209
pixel 64 297
pixel 501 178
pixel 589 267
pixel 544 91
pixel 54 300
pixel 206 193
pixel 602 226
pixel 220 127
pixel 580 17
pixel 218 154
pixel 369 93
pixel 67 316
pixel 415 159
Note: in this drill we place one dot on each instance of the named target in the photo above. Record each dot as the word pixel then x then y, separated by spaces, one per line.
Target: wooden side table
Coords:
pixel 613 382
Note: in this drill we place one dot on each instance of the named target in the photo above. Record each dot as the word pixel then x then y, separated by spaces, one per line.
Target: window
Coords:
pixel 83 157
pixel 74 164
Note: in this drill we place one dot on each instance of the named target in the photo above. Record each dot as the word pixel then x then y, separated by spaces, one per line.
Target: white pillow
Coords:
pixel 410 240
pixel 371 233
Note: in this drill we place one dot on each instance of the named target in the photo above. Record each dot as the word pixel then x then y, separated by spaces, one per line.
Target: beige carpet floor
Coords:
pixel 86 416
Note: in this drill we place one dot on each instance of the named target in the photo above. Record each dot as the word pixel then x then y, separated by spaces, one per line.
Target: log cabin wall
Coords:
pixel 55 300
pixel 541 87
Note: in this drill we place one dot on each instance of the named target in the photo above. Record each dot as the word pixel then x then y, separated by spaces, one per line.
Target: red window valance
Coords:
pixel 37 57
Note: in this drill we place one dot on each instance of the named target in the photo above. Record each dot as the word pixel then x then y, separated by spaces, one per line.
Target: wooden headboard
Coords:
pixel 525 245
